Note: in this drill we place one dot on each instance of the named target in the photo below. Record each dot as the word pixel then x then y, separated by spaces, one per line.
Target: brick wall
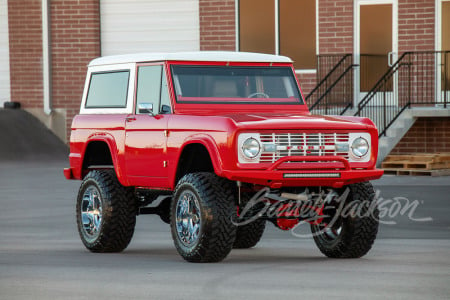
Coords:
pixel 307 82
pixel 335 37
pixel 217 25
pixel 75 41
pixel 25 50
pixel 416 25
pixel 427 135
pixel 335 26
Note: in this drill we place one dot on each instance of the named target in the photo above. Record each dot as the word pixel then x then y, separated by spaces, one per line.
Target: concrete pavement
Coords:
pixel 41 256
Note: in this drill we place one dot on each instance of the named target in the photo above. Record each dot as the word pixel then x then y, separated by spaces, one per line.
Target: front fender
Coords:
pixel 211 146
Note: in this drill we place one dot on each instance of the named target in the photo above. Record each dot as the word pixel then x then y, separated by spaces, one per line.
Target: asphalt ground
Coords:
pixel 42 257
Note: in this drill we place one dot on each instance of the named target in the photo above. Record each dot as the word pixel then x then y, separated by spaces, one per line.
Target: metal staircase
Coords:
pixel 333 95
pixel 415 80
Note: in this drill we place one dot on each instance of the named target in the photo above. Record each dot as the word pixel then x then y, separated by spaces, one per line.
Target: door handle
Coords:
pixel 130 119
pixel 390 58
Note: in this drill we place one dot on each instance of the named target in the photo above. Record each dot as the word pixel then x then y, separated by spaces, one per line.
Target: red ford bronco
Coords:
pixel 217 144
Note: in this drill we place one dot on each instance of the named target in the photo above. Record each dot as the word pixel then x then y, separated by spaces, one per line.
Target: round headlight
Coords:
pixel 360 147
pixel 251 148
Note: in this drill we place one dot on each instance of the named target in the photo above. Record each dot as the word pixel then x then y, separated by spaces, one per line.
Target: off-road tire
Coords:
pixel 248 235
pixel 358 232
pixel 217 233
pixel 119 210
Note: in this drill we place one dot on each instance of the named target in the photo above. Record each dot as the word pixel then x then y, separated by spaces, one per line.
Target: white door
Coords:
pixel 134 26
pixel 5 93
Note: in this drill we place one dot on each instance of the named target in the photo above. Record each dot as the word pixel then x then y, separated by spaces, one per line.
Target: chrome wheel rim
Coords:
pixel 188 218
pixel 91 212
pixel 332 234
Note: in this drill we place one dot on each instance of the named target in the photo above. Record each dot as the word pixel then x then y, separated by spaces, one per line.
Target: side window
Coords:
pixel 165 98
pixel 108 90
pixel 152 89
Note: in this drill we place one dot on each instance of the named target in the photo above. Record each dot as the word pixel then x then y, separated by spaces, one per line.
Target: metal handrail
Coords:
pixel 333 85
pixel 416 76
pixel 336 81
pixel 327 76
pixel 377 85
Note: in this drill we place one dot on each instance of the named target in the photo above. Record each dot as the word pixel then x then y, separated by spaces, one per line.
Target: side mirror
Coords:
pixel 165 109
pixel 145 108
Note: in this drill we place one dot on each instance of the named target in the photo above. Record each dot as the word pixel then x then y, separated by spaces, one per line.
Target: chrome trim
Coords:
pixel 278 145
pixel 91 212
pixel 188 218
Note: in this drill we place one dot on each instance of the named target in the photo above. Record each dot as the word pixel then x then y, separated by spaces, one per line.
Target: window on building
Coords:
pixel 108 90
pixel 294 34
pixel 298 32
pixel 256 20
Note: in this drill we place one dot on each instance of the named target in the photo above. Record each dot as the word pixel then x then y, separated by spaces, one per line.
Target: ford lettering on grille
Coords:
pixel 278 145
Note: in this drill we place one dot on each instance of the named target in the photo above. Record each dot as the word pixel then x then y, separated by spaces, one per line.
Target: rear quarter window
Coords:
pixel 108 90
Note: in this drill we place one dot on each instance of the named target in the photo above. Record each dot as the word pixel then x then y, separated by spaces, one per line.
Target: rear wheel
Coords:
pixel 248 235
pixel 250 227
pixel 201 217
pixel 349 232
pixel 106 212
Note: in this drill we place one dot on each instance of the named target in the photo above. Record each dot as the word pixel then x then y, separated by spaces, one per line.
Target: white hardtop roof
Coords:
pixel 222 56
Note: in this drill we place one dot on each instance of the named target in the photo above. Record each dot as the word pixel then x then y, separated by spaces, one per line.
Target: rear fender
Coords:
pixel 113 150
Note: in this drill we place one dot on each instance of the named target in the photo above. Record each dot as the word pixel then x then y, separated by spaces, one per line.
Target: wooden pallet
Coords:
pixel 405 164
pixel 415 172
pixel 437 164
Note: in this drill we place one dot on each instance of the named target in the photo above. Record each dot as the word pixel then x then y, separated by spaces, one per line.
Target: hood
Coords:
pixel 297 121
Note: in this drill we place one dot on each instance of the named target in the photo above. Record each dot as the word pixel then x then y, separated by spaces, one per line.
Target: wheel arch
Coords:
pixel 207 160
pixel 101 151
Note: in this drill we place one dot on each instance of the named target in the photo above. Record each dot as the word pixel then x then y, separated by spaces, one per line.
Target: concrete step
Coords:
pixel 23 137
pixel 402 125
pixel 394 134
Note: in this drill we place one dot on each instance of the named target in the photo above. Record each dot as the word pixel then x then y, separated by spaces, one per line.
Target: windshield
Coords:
pixel 244 85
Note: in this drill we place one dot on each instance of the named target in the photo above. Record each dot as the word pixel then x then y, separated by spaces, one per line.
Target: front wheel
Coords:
pixel 350 227
pixel 201 217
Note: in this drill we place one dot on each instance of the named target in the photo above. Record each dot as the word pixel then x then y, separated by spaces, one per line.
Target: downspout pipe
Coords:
pixel 46 57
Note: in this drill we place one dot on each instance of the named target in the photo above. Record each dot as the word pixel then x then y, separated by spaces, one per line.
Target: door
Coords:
pixel 445 56
pixel 146 135
pixel 4 54
pixel 375 45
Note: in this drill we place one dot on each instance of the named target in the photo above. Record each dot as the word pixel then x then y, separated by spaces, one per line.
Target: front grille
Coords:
pixel 278 145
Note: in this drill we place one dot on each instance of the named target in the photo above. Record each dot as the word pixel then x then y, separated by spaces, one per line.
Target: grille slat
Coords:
pixel 312 144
